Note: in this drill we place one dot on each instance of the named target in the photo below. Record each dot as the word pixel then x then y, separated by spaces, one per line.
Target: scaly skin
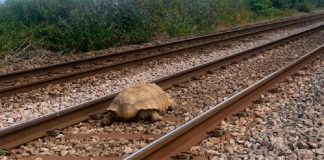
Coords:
pixel 152 115
pixel 108 118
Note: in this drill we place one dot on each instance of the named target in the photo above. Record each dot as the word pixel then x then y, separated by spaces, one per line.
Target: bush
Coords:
pixel 78 25
pixel 232 13
pixel 281 3
pixel 303 7
pixel 180 17
pixel 261 7
pixel 319 3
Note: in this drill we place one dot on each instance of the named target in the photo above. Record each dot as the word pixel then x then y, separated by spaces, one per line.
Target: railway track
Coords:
pixel 198 129
pixel 24 132
pixel 25 80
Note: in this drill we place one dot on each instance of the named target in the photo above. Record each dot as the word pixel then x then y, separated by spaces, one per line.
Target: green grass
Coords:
pixel 72 26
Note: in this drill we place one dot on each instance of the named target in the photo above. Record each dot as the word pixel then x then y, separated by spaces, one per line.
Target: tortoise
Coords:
pixel 147 101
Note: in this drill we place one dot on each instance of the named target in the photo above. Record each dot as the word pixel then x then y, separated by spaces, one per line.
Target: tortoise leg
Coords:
pixel 173 104
pixel 108 118
pixel 155 116
pixel 143 114
pixel 151 115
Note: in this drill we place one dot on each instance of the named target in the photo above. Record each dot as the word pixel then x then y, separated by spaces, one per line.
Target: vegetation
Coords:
pixel 72 26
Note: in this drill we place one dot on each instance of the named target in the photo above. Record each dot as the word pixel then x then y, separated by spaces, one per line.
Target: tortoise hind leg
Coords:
pixel 155 116
pixel 143 114
pixel 173 104
pixel 151 115
pixel 108 118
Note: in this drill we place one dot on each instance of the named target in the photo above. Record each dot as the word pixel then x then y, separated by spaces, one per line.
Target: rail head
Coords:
pixel 149 151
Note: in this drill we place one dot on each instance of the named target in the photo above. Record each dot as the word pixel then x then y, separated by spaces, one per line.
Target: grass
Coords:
pixel 72 26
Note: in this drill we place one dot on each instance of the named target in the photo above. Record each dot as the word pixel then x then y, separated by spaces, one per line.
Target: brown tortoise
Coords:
pixel 146 101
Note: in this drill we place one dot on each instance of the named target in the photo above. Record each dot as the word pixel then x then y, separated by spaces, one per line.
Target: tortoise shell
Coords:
pixel 131 100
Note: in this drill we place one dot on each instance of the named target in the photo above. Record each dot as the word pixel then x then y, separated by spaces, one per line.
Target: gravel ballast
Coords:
pixel 29 105
pixel 288 124
pixel 193 97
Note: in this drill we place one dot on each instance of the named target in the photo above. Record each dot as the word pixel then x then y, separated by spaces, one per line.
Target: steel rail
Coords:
pixel 26 131
pixel 6 91
pixel 194 131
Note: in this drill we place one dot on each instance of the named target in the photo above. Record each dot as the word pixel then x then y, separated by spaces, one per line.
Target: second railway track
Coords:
pixel 21 81
pixel 25 132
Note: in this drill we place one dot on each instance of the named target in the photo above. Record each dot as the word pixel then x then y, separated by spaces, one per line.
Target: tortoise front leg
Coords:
pixel 108 118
